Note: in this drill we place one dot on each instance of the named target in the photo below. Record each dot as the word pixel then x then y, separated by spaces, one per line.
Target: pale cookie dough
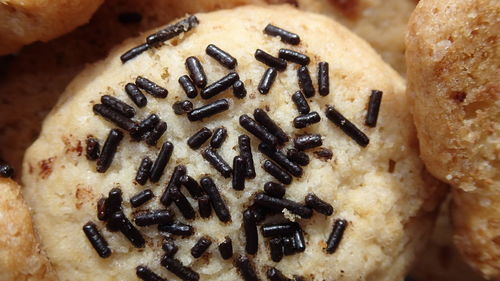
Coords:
pixel 24 22
pixel 382 190
pixel 453 66
pixel 20 256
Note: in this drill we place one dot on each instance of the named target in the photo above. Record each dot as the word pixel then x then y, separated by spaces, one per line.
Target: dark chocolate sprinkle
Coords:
pixel 246 153
pixel 300 102
pixel 182 107
pixel 101 209
pixel 259 212
pixel 146 274
pixel 142 174
pixel 263 118
pixel 196 72
pixel 173 30
pixel 177 228
pixel 113 203
pixel 118 105
pixel 208 110
pixel 307 141
pixel 373 108
pixel 200 247
pixel 219 137
pixel 305 120
pixel 141 198
pixel 191 185
pixel 270 60
pixel 220 85
pixel 218 203
pixel 176 267
pixel 278 204
pixel 305 82
pixel 188 86
pixel 109 150
pixel 323 79
pixel 226 248
pixel 151 87
pixel 251 235
pixel 161 161
pixel 136 95
pixel 221 56
pixel 115 117
pixel 274 189
pixel 134 52
pixel 239 172
pixel 156 134
pixel 204 206
pixel 276 249
pixel 324 154
pixel 293 56
pixel 6 171
pixel 320 206
pixel 92 150
pixel 298 236
pixel 277 172
pixel 129 17
pixel 288 245
pixel 96 239
pixel 146 126
pixel 267 80
pixel 179 171
pixel 182 203
pixel 297 156
pixel 169 247
pixel 128 229
pixel 281 159
pixel 246 268
pixel 345 125
pixel 217 162
pixel 199 138
pixel 239 90
pixel 274 274
pixel 286 36
pixel 154 217
pixel 257 130
pixel 336 236
pixel 278 229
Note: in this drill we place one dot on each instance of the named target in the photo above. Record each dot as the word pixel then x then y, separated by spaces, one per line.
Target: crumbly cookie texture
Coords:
pixel 25 22
pixel 367 186
pixel 20 256
pixel 453 66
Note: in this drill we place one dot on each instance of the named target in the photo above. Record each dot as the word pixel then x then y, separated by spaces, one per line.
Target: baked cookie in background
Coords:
pixel 20 256
pixel 25 22
pixel 453 65
pixel 364 184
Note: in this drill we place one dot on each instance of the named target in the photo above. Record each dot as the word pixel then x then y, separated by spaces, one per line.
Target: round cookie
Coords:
pixel 25 22
pixel 365 185
pixel 20 256
pixel 453 70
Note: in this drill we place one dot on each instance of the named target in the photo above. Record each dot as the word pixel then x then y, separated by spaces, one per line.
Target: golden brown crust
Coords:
pixel 453 66
pixel 24 22
pixel 20 256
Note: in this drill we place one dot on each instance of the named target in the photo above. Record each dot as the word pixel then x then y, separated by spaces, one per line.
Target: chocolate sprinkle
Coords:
pixel 257 130
pixel 177 228
pixel 115 117
pixel 208 110
pixel 278 229
pixel 146 274
pixel 278 204
pixel 239 90
pixel 281 159
pixel 199 138
pixel 251 235
pixel 286 36
pixel 320 206
pixel 128 229
pixel 307 141
pixel 246 268
pixel 323 79
pixel 113 203
pixel 141 198
pixel 305 120
pixel 142 174
pixel 135 94
pixel 274 189
pixel 267 80
pixel 153 137
pixel 274 274
pixel 226 248
pixel 146 126
pixel 188 86
pixel 182 107
pixel 176 267
pixel 204 206
pixel 92 151
pixel 263 118
pixel 270 60
pixel 305 82
pixel 293 56
pixel 151 87
pixel 179 171
pixel 221 56
pixel 182 203
pixel 169 247
pixel 101 209
pixel 173 30
pixel 196 72
pixel 134 52
pixel 191 185
pixel 298 236
pixel 109 150
pixel 218 203
pixel 201 247
pixel 297 156
pixel 161 161
pixel 118 105
pixel 373 108
pixel 98 242
pixel 246 153
pixel 336 236
pixel 154 217
pixel 300 102
pixel 324 154
pixel 239 172
pixel 217 162
pixel 219 137
pixel 345 125
pixel 276 249
pixel 288 245
pixel 220 85
pixel 277 172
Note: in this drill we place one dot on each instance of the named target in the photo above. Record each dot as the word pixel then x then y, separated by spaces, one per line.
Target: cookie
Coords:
pixel 362 172
pixel 20 255
pixel 452 77
pixel 25 22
